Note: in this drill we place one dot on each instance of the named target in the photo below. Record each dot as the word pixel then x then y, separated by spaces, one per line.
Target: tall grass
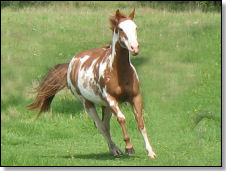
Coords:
pixel 179 67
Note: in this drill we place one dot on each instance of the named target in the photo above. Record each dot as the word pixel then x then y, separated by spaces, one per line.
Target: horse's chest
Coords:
pixel 121 89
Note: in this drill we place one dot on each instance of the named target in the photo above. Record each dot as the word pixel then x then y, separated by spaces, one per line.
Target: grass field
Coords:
pixel 179 67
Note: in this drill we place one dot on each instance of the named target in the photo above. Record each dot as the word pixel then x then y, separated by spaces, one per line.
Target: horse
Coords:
pixel 102 76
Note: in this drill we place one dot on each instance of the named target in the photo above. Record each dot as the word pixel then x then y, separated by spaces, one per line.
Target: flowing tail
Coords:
pixel 54 81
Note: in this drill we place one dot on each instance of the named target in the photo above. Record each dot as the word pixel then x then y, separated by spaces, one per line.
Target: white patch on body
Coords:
pixel 73 89
pixel 105 95
pixel 82 60
pixel 112 103
pixel 102 68
pixel 86 78
pixel 114 41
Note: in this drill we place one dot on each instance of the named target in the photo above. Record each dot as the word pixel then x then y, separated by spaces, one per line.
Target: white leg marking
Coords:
pixel 120 115
pixel 147 144
pixel 111 103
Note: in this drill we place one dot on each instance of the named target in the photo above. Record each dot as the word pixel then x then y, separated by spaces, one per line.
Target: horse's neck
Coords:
pixel 120 57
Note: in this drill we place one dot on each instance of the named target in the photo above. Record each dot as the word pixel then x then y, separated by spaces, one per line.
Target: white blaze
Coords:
pixel 129 27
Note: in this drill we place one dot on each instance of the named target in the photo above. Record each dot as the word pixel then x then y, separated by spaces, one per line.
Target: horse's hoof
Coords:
pixel 130 151
pixel 116 152
pixel 153 156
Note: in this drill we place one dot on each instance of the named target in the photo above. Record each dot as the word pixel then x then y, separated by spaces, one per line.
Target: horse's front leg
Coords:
pixel 114 107
pixel 137 107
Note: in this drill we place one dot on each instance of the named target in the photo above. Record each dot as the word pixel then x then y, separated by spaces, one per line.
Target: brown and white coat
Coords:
pixel 105 76
pixel 102 76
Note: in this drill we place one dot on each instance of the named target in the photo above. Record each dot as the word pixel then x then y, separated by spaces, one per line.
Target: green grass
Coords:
pixel 179 67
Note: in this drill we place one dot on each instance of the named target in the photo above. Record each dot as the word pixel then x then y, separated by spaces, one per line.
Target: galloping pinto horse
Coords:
pixel 103 76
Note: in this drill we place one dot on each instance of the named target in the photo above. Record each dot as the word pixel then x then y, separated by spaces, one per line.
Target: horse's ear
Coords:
pixel 117 16
pixel 131 16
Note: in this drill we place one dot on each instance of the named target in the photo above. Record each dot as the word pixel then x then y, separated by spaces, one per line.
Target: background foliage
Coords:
pixel 164 5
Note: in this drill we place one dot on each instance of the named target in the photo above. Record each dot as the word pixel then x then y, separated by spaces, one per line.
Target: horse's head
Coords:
pixel 127 31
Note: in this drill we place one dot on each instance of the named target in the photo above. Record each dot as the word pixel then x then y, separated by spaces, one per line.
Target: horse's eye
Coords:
pixel 121 30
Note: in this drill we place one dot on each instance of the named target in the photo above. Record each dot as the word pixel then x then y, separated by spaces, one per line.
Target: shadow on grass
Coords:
pixel 140 60
pixel 68 106
pixel 98 156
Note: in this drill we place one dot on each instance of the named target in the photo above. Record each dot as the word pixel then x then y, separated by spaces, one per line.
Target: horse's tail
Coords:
pixel 54 81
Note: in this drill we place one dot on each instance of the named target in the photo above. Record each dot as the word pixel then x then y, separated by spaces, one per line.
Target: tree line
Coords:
pixel 164 5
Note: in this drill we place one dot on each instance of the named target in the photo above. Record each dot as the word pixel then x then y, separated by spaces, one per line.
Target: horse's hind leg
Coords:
pixel 91 110
pixel 106 116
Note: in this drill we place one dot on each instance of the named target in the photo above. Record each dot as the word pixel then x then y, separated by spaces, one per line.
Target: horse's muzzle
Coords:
pixel 135 50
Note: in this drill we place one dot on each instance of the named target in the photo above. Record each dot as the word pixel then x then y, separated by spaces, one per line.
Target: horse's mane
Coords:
pixel 113 21
pixel 113 24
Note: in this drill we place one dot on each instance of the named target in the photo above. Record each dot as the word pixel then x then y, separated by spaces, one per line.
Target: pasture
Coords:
pixel 179 67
